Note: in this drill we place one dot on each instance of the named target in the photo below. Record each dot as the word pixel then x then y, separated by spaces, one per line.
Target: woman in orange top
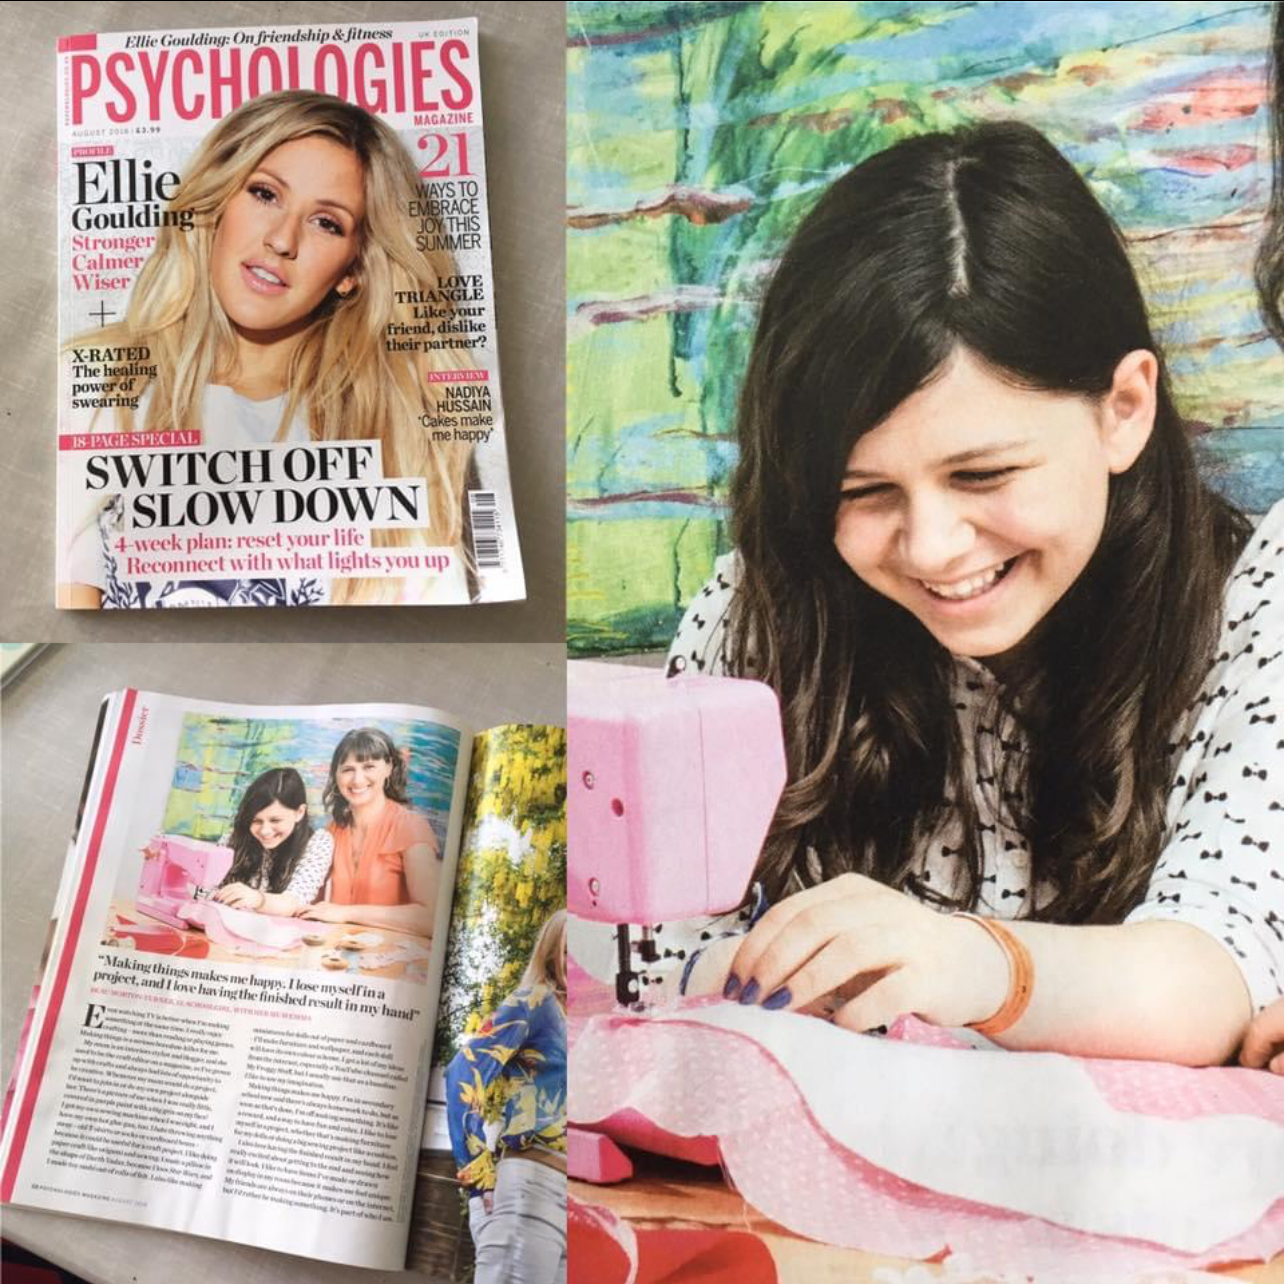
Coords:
pixel 386 859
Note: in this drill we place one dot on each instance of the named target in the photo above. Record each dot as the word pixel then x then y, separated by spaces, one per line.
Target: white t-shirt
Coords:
pixel 1222 868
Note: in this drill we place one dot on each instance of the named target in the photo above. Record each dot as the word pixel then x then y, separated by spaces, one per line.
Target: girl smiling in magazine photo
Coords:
pixel 280 863
pixel 1029 665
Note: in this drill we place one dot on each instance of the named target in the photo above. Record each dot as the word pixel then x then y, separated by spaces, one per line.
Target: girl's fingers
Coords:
pixel 849 963
pixel 788 949
pixel 1261 1050
pixel 880 1004
pixel 1265 1038
pixel 791 932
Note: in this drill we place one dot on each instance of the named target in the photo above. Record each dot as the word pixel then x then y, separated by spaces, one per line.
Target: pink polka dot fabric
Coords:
pixel 697 1080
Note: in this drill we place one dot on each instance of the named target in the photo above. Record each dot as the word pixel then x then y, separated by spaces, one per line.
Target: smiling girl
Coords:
pixel 387 863
pixel 267 322
pixel 279 863
pixel 1029 666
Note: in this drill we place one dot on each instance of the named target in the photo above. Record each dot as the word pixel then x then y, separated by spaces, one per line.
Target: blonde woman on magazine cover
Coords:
pixel 506 1109
pixel 266 321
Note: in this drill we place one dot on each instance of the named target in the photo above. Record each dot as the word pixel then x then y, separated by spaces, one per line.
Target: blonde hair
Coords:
pixel 547 964
pixel 354 385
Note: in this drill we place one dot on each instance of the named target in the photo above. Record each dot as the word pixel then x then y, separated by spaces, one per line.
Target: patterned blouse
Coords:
pixel 506 1088
pixel 309 874
pixel 1221 868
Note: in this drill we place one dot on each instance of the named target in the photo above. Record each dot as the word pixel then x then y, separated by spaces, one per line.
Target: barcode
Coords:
pixel 488 542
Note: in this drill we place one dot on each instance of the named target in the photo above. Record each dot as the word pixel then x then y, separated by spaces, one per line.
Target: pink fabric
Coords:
pixel 606 1249
pixel 1148 1087
pixel 629 1128
pixel 787 1167
pixel 227 926
pixel 601 1247
pixel 585 993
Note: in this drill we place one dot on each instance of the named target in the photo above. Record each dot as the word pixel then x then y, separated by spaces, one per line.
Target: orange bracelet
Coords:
pixel 1020 983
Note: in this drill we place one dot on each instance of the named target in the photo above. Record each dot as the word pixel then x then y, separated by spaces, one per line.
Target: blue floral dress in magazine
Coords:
pixel 506 1088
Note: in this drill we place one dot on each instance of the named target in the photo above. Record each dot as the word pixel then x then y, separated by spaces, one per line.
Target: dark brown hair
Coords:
pixel 281 785
pixel 986 239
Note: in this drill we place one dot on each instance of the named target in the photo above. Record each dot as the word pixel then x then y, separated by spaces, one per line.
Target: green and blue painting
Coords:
pixel 218 757
pixel 699 135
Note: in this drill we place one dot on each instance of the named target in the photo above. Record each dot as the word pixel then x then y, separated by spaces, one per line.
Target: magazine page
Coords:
pixel 15 656
pixel 495 1045
pixel 234 1040
pixel 278 378
pixel 67 881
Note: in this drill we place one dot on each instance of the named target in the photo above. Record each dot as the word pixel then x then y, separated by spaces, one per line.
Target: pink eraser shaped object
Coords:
pixel 671 789
pixel 593 1157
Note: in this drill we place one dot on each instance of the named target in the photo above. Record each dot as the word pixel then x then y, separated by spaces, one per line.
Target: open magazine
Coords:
pixel 278 379
pixel 274 928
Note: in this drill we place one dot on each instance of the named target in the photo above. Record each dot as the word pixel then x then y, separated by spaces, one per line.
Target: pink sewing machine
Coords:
pixel 672 784
pixel 185 870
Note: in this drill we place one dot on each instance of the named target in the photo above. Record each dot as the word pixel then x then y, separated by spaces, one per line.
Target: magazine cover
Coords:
pixel 278 379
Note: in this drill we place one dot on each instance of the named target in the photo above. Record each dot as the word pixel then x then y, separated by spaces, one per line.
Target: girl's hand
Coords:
pixel 325 912
pixel 709 975
pixel 154 849
pixel 239 896
pixel 872 954
pixel 1264 1042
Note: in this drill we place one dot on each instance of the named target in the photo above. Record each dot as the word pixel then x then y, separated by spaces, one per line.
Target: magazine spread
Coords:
pixel 278 378
pixel 236 1017
pixel 509 884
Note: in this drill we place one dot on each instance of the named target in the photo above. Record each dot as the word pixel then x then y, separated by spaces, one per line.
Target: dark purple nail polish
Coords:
pixel 732 987
pixel 779 999
pixel 750 993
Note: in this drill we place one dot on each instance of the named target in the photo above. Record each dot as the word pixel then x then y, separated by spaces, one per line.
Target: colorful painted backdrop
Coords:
pixel 699 134
pixel 218 757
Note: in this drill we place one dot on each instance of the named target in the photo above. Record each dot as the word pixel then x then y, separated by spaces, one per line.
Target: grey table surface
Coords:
pixel 523 96
pixel 47 716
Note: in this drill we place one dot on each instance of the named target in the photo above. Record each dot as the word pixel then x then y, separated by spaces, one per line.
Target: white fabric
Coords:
pixel 1223 867
pixel 1008 1148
